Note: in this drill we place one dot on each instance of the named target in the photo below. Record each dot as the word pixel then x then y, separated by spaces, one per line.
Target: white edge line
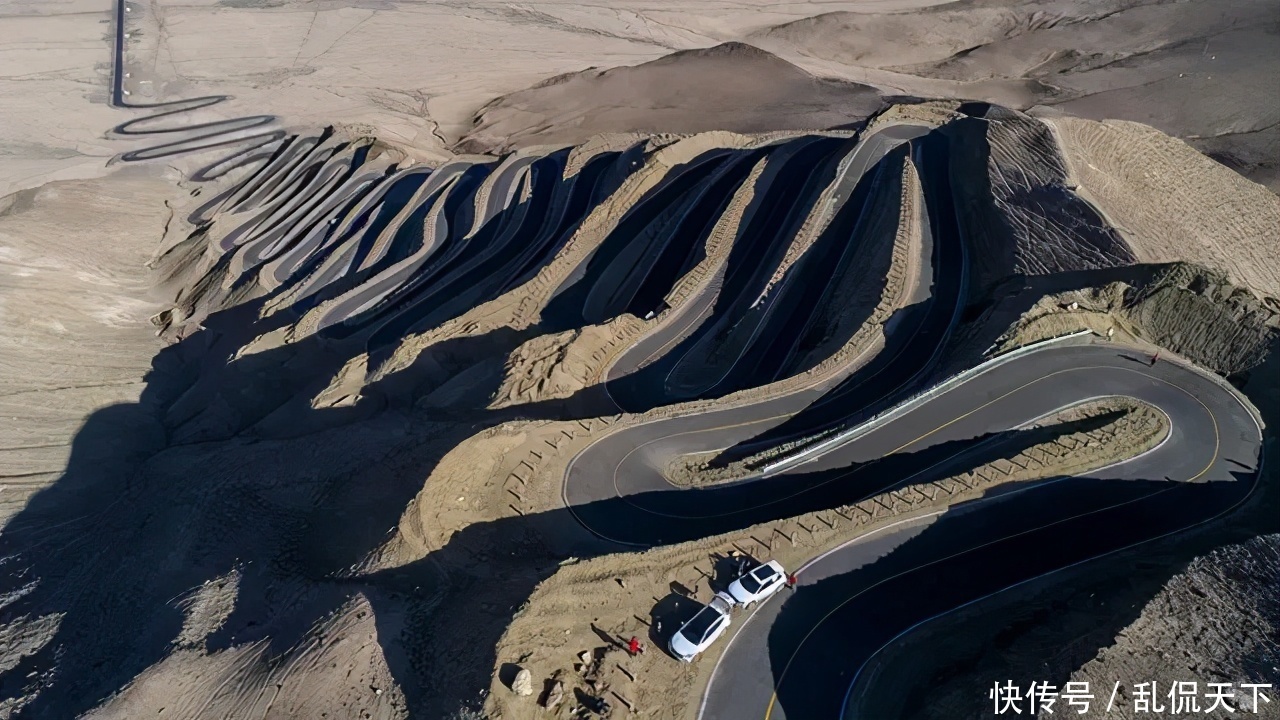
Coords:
pixel 909 404
pixel 711 680
pixel 855 540
pixel 1256 478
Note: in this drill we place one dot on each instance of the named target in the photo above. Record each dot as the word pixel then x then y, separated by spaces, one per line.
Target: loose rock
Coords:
pixel 523 683
pixel 555 696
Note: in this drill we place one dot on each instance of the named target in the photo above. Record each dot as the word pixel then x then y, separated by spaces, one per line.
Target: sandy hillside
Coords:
pixel 416 73
pixel 286 420
pixel 732 86
pixel 74 300
pixel 1192 70
pixel 419 74
pixel 375 380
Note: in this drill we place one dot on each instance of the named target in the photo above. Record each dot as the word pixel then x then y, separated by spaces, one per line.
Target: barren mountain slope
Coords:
pixel 73 334
pixel 331 486
pixel 1196 70
pixel 732 86
pixel 1220 616
pixel 1172 203
pixel 378 375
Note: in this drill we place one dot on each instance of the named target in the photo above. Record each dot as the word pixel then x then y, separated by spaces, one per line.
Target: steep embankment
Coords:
pixel 1020 215
pixel 1221 616
pixel 1171 203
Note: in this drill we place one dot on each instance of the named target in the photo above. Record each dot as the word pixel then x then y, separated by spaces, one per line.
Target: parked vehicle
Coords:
pixel 759 583
pixel 702 629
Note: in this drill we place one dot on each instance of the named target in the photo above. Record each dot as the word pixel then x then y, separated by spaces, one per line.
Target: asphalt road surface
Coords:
pixel 240 132
pixel 797 657
pixel 661 352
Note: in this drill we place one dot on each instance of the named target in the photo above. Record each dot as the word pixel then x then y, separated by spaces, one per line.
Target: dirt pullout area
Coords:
pixel 1173 204
pixel 732 86
pixel 594 606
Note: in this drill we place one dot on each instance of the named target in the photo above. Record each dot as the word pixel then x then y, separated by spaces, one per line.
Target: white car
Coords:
pixel 758 584
pixel 702 629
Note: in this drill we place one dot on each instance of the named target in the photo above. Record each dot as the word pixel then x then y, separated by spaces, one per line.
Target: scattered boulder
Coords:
pixel 523 684
pixel 555 696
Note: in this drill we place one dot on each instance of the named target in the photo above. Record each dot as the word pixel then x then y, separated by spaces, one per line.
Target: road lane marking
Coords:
pixel 1213 459
pixel 869 463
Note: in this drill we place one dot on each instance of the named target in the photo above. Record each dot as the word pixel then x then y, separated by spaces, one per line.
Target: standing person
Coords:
pixel 791 581
pixel 1154 358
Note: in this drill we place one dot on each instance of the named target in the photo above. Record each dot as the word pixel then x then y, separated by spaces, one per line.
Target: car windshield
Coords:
pixel 697 627
pixel 750 583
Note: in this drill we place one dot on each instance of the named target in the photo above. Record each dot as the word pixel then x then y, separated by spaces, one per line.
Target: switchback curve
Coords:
pixel 1205 468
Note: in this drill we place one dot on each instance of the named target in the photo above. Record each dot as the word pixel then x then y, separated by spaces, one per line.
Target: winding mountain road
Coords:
pixel 671 344
pixel 798 656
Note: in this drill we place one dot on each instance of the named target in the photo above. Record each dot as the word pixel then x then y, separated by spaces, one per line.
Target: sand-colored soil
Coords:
pixel 753 91
pixel 556 366
pixel 398 480
pixel 73 331
pixel 265 518
pixel 1188 309
pixel 1192 70
pixel 1172 203
pixel 612 596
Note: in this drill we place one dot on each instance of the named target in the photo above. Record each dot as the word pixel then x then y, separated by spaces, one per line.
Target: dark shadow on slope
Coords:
pixel 116 542
pixel 160 496
pixel 484 268
pixel 762 241
pixel 971 551
pixel 916 335
pixel 471 616
pixel 569 306
pixel 130 528
pixel 1015 205
pixel 673 517
pixel 375 221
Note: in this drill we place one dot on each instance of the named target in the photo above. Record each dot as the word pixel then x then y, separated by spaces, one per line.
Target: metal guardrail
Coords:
pixel 911 403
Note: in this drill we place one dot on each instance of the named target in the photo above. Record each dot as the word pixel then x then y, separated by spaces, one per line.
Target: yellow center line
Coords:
pixel 843 475
pixel 773 698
